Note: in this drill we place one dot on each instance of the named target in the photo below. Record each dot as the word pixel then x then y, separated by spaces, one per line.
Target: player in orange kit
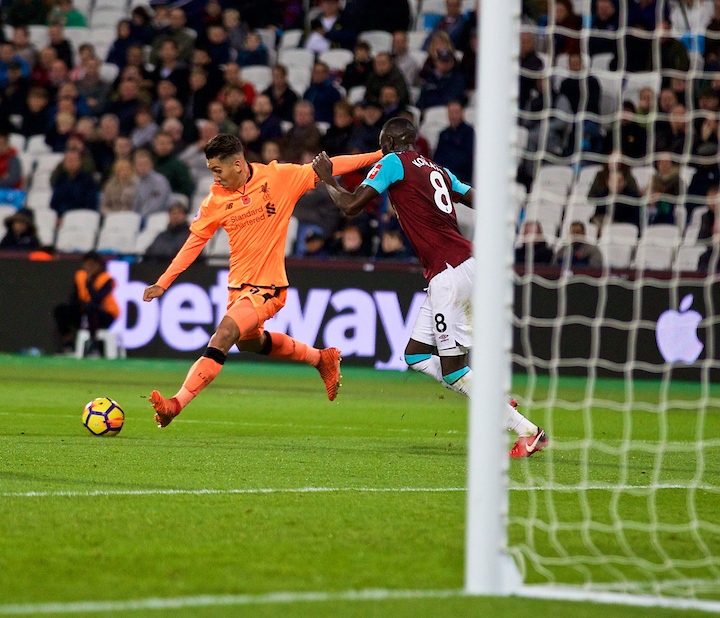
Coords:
pixel 253 202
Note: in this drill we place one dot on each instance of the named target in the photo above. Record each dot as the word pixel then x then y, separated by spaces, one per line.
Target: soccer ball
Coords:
pixel 103 417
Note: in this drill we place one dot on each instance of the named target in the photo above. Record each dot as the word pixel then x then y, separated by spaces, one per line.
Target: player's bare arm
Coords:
pixel 468 198
pixel 350 203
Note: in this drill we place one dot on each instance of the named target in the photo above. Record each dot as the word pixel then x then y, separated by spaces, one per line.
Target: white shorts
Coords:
pixel 445 318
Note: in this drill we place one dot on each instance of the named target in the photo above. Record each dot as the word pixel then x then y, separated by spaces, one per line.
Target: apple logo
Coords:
pixel 676 333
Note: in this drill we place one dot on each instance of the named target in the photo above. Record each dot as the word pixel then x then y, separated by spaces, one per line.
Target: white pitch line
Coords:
pixel 322 490
pixel 225 599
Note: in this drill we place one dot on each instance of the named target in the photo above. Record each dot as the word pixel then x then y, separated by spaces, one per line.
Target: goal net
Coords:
pixel 616 298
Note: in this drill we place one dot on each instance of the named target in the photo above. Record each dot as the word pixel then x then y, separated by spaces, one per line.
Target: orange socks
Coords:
pixel 200 375
pixel 287 348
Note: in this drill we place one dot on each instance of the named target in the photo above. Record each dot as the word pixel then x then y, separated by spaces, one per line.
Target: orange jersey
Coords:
pixel 256 218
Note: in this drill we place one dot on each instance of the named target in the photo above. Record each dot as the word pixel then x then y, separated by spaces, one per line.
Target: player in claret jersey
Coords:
pixel 423 193
pixel 253 202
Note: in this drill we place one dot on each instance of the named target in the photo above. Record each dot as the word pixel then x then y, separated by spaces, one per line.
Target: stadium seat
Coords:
pixel 687 173
pixel 290 39
pixel 111 340
pixel 103 16
pixel 582 183
pixel 518 196
pixel 662 234
pixel 624 233
pixel 578 211
pixel 291 236
pixel 649 256
pixel 40 181
pixel 436 115
pixel 617 244
pixel 46 223
pixel 269 38
pixel 687 258
pixel 119 232
pixel 552 180
pixel 36 145
pixel 548 212
pixel 416 40
pixel 610 88
pixel 77 231
pixel 379 41
pixel 292 58
pixel 637 81
pixel 219 245
pixel 45 163
pixel 27 164
pixel 601 62
pixel 17 141
pixel 39 199
pixel 258 75
pixel 38 35
pixel 356 94
pixel 691 235
pixel 643 175
pixel 336 59
pixel 154 224
pixel 5 211
pixel 299 79
pixel 109 71
pixel 419 56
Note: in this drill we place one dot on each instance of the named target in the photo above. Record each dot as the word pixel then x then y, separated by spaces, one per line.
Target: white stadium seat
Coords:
pixel 46 222
pixel 336 59
pixel 39 199
pixel 259 76
pixel 379 41
pixel 291 236
pixel 650 256
pixel 687 258
pixel 119 232
pixel 291 58
pixel 219 245
pixel 553 180
pixel 290 39
pixel 78 230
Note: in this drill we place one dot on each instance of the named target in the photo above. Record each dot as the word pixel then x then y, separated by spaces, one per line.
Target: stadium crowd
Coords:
pixel 106 107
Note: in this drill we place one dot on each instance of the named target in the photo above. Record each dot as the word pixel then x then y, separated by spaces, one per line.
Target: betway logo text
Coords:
pixel 186 316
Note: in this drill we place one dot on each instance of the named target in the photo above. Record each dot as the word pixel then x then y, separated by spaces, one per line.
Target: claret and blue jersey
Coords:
pixel 423 193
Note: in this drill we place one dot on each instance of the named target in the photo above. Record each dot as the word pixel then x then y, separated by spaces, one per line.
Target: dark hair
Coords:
pixel 94 256
pixel 223 146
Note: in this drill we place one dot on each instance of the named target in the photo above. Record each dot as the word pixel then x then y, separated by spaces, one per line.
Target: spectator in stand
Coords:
pixel 712 41
pixel 605 20
pixel 403 59
pixel 444 85
pixel 218 114
pixel 438 42
pixel 10 166
pixel 170 67
pixel 468 63
pixel 647 102
pixel 266 120
pixel 177 32
pixel 690 17
pixel 174 109
pixel 616 189
pixel 93 88
pixel 270 152
pixel 321 92
pixel 168 242
pixel 578 252
pixel 171 167
pixel 21 233
pixel 664 190
pixel 7 56
pixel 329 29
pixel 250 138
pixel 282 96
pixel 62 47
pixel 350 244
pixel 236 29
pixel 533 249
pixel 194 155
pixel 145 128
pixel 232 76
pixel 379 15
pixel 530 67
pixel 393 247
pixel 385 73
pixel 23 47
pixel 200 94
pixel 152 192
pixel 583 94
pixel 315 246
pixel 455 144
pixel 40 73
pixel 633 136
pixel 67 15
pixel 174 128
pixel 218 45
pixel 366 135
pixel 421 144
pixel 236 104
pixel 202 60
pixel 117 54
pixel 103 143
pixel 141 30
pixel 357 72
pixel 73 188
pixel 255 52
pixel 15 94
pixel 35 119
pixel 707 220
pixel 166 90
pixel 642 15
pixel 454 23
pixel 123 148
pixel 673 54
pixel 126 105
pixel 119 191
pixel 315 212
pixel 390 102
pixel 566 18
pixel 304 134
pixel 135 57
pixel 673 139
pixel 26 13
pixel 337 138
pixel 57 134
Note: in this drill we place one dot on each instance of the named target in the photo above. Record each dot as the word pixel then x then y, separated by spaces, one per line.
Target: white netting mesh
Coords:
pixel 628 496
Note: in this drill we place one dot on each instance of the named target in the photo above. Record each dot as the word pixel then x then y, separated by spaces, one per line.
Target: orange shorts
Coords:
pixel 257 300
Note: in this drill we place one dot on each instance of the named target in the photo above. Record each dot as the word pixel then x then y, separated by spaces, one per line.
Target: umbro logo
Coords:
pixel 229 206
pixel 270 209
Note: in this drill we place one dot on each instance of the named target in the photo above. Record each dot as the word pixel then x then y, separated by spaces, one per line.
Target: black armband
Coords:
pixel 267 347
pixel 216 355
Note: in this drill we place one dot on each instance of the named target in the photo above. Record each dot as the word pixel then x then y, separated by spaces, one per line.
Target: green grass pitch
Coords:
pixel 179 512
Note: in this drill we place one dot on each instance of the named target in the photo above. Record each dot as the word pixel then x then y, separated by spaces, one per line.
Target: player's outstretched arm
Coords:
pixel 468 199
pixel 186 256
pixel 349 203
